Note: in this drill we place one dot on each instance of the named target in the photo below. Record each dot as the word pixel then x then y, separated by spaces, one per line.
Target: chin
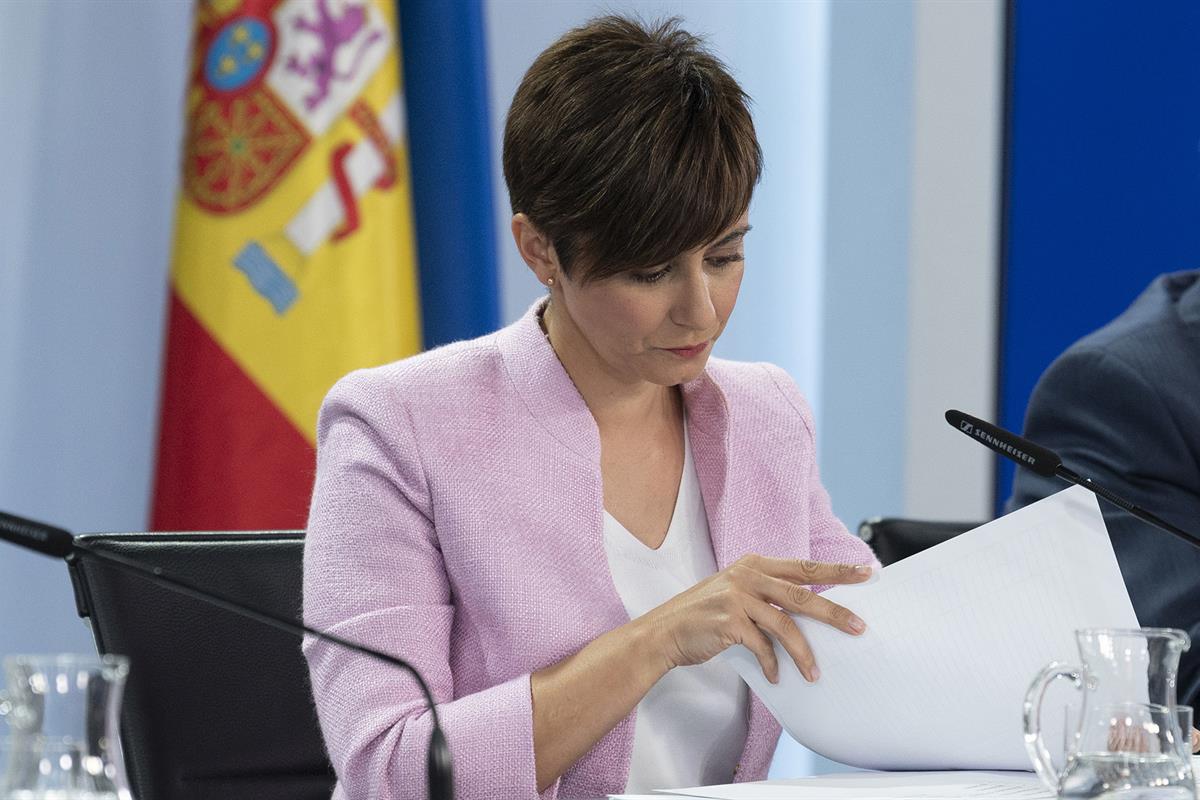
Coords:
pixel 682 374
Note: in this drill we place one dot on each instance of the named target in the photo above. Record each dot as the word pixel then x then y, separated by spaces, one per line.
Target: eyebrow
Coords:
pixel 733 236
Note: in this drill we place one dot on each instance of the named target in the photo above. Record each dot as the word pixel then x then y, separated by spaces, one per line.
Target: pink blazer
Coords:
pixel 457 523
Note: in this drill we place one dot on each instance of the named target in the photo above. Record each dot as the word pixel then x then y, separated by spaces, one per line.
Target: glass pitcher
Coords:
pixel 1128 743
pixel 63 713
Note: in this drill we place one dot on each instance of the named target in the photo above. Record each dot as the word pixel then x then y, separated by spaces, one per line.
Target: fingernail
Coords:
pixel 774 677
pixel 863 569
pixel 814 674
pixel 857 625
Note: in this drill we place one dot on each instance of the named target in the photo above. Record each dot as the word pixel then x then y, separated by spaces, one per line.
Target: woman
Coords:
pixel 563 523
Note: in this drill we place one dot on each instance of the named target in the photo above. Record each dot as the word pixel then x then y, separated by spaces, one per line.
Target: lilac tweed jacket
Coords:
pixel 457 523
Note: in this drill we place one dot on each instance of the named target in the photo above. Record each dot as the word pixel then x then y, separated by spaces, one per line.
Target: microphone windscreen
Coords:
pixel 45 539
pixel 1008 444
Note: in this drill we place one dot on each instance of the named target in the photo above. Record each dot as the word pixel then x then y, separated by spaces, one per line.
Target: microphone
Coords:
pixel 1047 463
pixel 59 543
pixel 1024 452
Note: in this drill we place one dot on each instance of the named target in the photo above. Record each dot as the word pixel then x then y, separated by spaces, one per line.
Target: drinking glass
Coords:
pixel 63 713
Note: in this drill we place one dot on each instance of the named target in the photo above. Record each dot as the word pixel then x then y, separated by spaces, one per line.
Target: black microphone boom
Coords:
pixel 1047 463
pixel 45 539
pixel 58 543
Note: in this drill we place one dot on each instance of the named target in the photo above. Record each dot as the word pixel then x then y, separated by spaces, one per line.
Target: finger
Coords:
pixel 754 640
pixel 783 628
pixel 812 573
pixel 1195 741
pixel 797 599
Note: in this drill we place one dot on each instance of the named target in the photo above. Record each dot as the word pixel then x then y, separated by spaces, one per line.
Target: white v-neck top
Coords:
pixel 691 726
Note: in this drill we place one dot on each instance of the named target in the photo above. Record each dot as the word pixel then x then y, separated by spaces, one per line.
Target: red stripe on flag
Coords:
pixel 228 459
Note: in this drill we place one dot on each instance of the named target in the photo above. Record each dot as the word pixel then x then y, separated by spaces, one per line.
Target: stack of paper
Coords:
pixel 955 636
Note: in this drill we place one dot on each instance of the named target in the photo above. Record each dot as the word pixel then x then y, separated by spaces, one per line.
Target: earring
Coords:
pixel 550 281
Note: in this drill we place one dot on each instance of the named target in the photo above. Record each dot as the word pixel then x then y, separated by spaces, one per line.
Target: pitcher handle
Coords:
pixel 1035 745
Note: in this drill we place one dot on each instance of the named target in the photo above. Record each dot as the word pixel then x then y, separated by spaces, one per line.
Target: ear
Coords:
pixel 536 248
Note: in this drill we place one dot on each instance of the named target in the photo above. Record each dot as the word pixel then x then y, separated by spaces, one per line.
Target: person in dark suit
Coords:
pixel 1122 406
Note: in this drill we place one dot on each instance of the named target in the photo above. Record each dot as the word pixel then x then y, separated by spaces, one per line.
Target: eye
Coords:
pixel 650 277
pixel 724 261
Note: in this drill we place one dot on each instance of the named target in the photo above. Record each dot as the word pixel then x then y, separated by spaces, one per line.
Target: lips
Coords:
pixel 688 352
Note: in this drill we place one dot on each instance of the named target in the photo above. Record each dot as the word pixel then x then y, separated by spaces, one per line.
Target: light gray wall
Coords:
pixel 958 85
pixel 910 276
pixel 863 358
pixel 91 98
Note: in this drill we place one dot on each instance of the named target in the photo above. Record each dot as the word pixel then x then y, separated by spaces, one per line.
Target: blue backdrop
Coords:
pixel 1103 174
pixel 445 83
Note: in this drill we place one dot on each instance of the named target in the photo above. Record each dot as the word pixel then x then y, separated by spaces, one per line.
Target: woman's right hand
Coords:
pixel 745 601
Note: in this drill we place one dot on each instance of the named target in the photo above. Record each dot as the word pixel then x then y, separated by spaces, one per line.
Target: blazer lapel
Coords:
pixel 708 431
pixel 545 387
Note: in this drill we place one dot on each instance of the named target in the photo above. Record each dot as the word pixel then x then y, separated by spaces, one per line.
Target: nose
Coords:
pixel 693 307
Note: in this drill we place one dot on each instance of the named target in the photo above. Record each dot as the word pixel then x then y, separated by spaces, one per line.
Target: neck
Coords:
pixel 616 401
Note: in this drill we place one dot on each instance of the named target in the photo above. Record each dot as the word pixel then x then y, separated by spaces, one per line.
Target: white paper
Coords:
pixel 882 786
pixel 955 636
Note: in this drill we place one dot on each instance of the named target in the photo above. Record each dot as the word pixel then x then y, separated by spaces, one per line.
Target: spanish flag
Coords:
pixel 294 256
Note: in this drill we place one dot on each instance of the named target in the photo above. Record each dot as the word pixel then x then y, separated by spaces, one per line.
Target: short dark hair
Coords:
pixel 628 144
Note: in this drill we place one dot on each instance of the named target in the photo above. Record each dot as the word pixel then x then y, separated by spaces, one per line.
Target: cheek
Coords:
pixel 725 294
pixel 621 319
pixel 634 318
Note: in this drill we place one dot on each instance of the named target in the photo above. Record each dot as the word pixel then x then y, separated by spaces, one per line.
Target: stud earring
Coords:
pixel 550 281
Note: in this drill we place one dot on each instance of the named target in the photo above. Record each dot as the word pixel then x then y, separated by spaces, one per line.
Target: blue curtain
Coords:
pixel 1103 174
pixel 445 83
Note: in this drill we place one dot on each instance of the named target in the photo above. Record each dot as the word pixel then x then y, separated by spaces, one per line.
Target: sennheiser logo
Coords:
pixel 1000 444
pixel 966 426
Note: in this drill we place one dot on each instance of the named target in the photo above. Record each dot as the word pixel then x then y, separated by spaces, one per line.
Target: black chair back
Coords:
pixel 217 706
pixel 895 538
